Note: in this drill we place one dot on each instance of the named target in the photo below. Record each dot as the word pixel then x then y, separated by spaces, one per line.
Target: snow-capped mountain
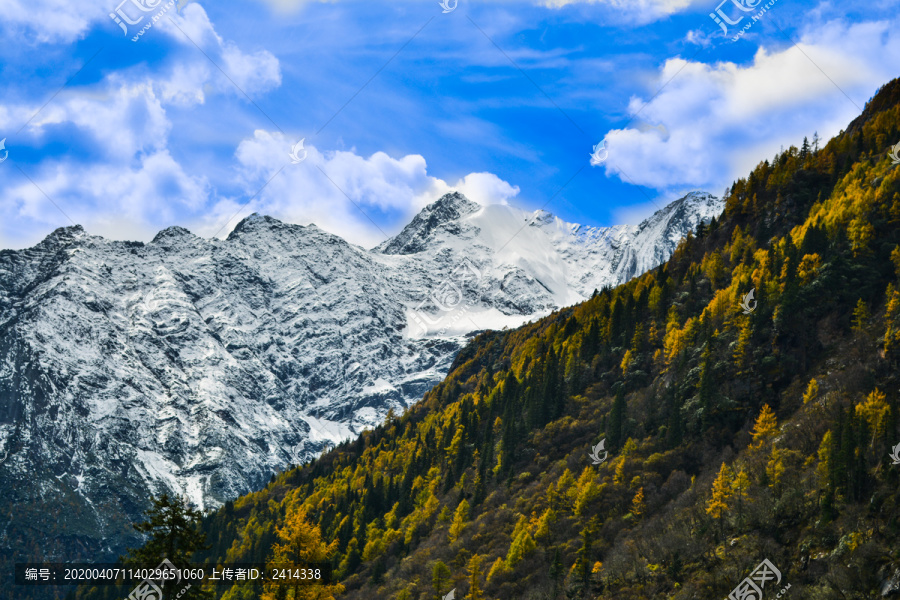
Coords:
pixel 202 366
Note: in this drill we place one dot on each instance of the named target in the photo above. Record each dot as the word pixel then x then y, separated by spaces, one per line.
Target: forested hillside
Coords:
pixel 731 437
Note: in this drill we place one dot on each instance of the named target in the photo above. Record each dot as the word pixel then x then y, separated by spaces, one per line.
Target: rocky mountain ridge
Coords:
pixel 203 366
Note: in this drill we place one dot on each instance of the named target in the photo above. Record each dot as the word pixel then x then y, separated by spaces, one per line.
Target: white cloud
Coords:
pixel 134 199
pixel 124 119
pixel 121 122
pixel 483 188
pixel 63 21
pixel 721 119
pixel 256 72
pixel 259 71
pixel 48 21
pixel 389 190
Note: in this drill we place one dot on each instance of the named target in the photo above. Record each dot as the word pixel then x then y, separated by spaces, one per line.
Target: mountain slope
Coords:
pixel 205 366
pixel 734 435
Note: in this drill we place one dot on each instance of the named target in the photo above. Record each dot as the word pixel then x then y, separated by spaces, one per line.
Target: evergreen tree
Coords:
pixel 675 428
pixel 861 315
pixel 440 579
pixel 706 387
pixel 172 531
pixel 617 419
pixel 584 563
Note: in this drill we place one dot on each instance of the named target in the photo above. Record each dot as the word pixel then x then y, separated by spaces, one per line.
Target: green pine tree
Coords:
pixel 172 530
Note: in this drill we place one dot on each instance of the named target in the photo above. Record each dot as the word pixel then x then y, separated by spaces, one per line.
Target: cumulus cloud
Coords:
pixel 713 122
pixel 117 176
pixel 252 72
pixel 130 177
pixel 153 190
pixel 123 119
pixel 48 21
pixel 483 188
pixel 340 191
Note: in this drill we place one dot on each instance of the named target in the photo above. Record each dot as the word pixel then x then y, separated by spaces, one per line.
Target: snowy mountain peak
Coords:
pixel 64 236
pixel 256 222
pixel 171 234
pixel 443 214
pixel 452 203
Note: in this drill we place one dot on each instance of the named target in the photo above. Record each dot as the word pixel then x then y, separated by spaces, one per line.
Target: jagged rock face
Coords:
pixel 203 366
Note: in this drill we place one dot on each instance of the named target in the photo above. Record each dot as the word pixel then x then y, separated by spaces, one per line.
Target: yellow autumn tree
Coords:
pixel 824 465
pixel 895 258
pixel 721 493
pixel 875 411
pixel 739 486
pixel 775 469
pixel 542 530
pixel 300 544
pixel 766 425
pixel 860 232
pixel 861 315
pixel 522 543
pixel 619 472
pixel 812 391
pixel 892 330
pixel 474 568
pixel 460 517
pixel 809 268
pixel 637 503
pixel 498 568
pixel 743 347
pixel 714 268
pixel 587 491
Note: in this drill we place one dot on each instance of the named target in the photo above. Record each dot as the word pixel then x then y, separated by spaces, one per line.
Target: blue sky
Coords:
pixel 193 123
